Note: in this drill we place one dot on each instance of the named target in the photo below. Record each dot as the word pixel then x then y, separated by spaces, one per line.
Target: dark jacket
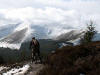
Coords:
pixel 35 46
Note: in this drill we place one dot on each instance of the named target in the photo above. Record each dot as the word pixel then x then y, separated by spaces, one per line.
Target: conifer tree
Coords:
pixel 89 34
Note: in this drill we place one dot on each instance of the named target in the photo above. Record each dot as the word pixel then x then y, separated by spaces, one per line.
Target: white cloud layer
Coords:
pixel 57 16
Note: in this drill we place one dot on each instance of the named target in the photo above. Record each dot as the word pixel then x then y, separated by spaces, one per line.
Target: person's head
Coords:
pixel 33 38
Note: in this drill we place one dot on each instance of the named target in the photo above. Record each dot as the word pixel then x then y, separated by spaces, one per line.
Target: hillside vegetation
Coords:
pixel 74 60
pixel 8 55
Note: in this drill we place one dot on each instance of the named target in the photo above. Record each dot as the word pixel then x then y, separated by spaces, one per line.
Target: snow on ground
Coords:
pixel 75 42
pixel 11 46
pixel 70 43
pixel 16 71
pixel 2 67
pixel 62 45
pixel 28 69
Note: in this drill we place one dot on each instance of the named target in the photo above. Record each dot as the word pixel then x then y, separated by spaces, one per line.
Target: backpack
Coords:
pixel 36 43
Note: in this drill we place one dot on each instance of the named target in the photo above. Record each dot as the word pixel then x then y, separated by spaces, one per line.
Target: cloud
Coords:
pixel 66 4
pixel 55 16
pixel 52 19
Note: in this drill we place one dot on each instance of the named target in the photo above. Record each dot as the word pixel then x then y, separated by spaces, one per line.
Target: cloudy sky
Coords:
pixel 54 15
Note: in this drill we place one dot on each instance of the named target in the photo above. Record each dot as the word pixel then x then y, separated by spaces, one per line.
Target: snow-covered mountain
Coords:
pixel 13 36
pixel 71 35
pixel 13 40
pixel 7 29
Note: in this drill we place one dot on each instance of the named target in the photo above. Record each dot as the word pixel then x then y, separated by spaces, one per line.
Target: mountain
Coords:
pixel 7 29
pixel 14 40
pixel 13 35
pixel 71 35
pixel 97 37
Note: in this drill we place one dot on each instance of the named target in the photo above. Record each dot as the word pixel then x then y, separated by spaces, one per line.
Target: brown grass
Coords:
pixel 73 60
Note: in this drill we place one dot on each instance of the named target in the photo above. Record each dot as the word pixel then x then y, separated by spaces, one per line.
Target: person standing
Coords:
pixel 35 48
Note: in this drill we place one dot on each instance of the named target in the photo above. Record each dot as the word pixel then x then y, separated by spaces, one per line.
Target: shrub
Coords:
pixel 1 60
pixel 74 60
pixel 88 36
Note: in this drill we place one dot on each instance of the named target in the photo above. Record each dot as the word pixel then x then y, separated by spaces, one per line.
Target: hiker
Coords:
pixel 35 47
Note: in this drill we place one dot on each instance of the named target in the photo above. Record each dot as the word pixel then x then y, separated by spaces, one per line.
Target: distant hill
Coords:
pixel 71 35
pixel 24 53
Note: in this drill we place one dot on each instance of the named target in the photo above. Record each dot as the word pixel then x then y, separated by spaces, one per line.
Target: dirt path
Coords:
pixel 34 68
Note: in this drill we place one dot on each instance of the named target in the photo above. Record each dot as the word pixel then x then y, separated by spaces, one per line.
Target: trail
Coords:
pixel 34 69
pixel 26 68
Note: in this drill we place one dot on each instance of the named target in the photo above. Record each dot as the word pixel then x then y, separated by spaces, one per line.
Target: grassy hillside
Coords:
pixel 74 60
pixel 10 56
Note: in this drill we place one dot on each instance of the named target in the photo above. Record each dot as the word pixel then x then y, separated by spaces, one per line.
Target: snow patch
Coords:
pixel 2 67
pixel 18 71
pixel 75 42
pixel 62 45
pixel 11 46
